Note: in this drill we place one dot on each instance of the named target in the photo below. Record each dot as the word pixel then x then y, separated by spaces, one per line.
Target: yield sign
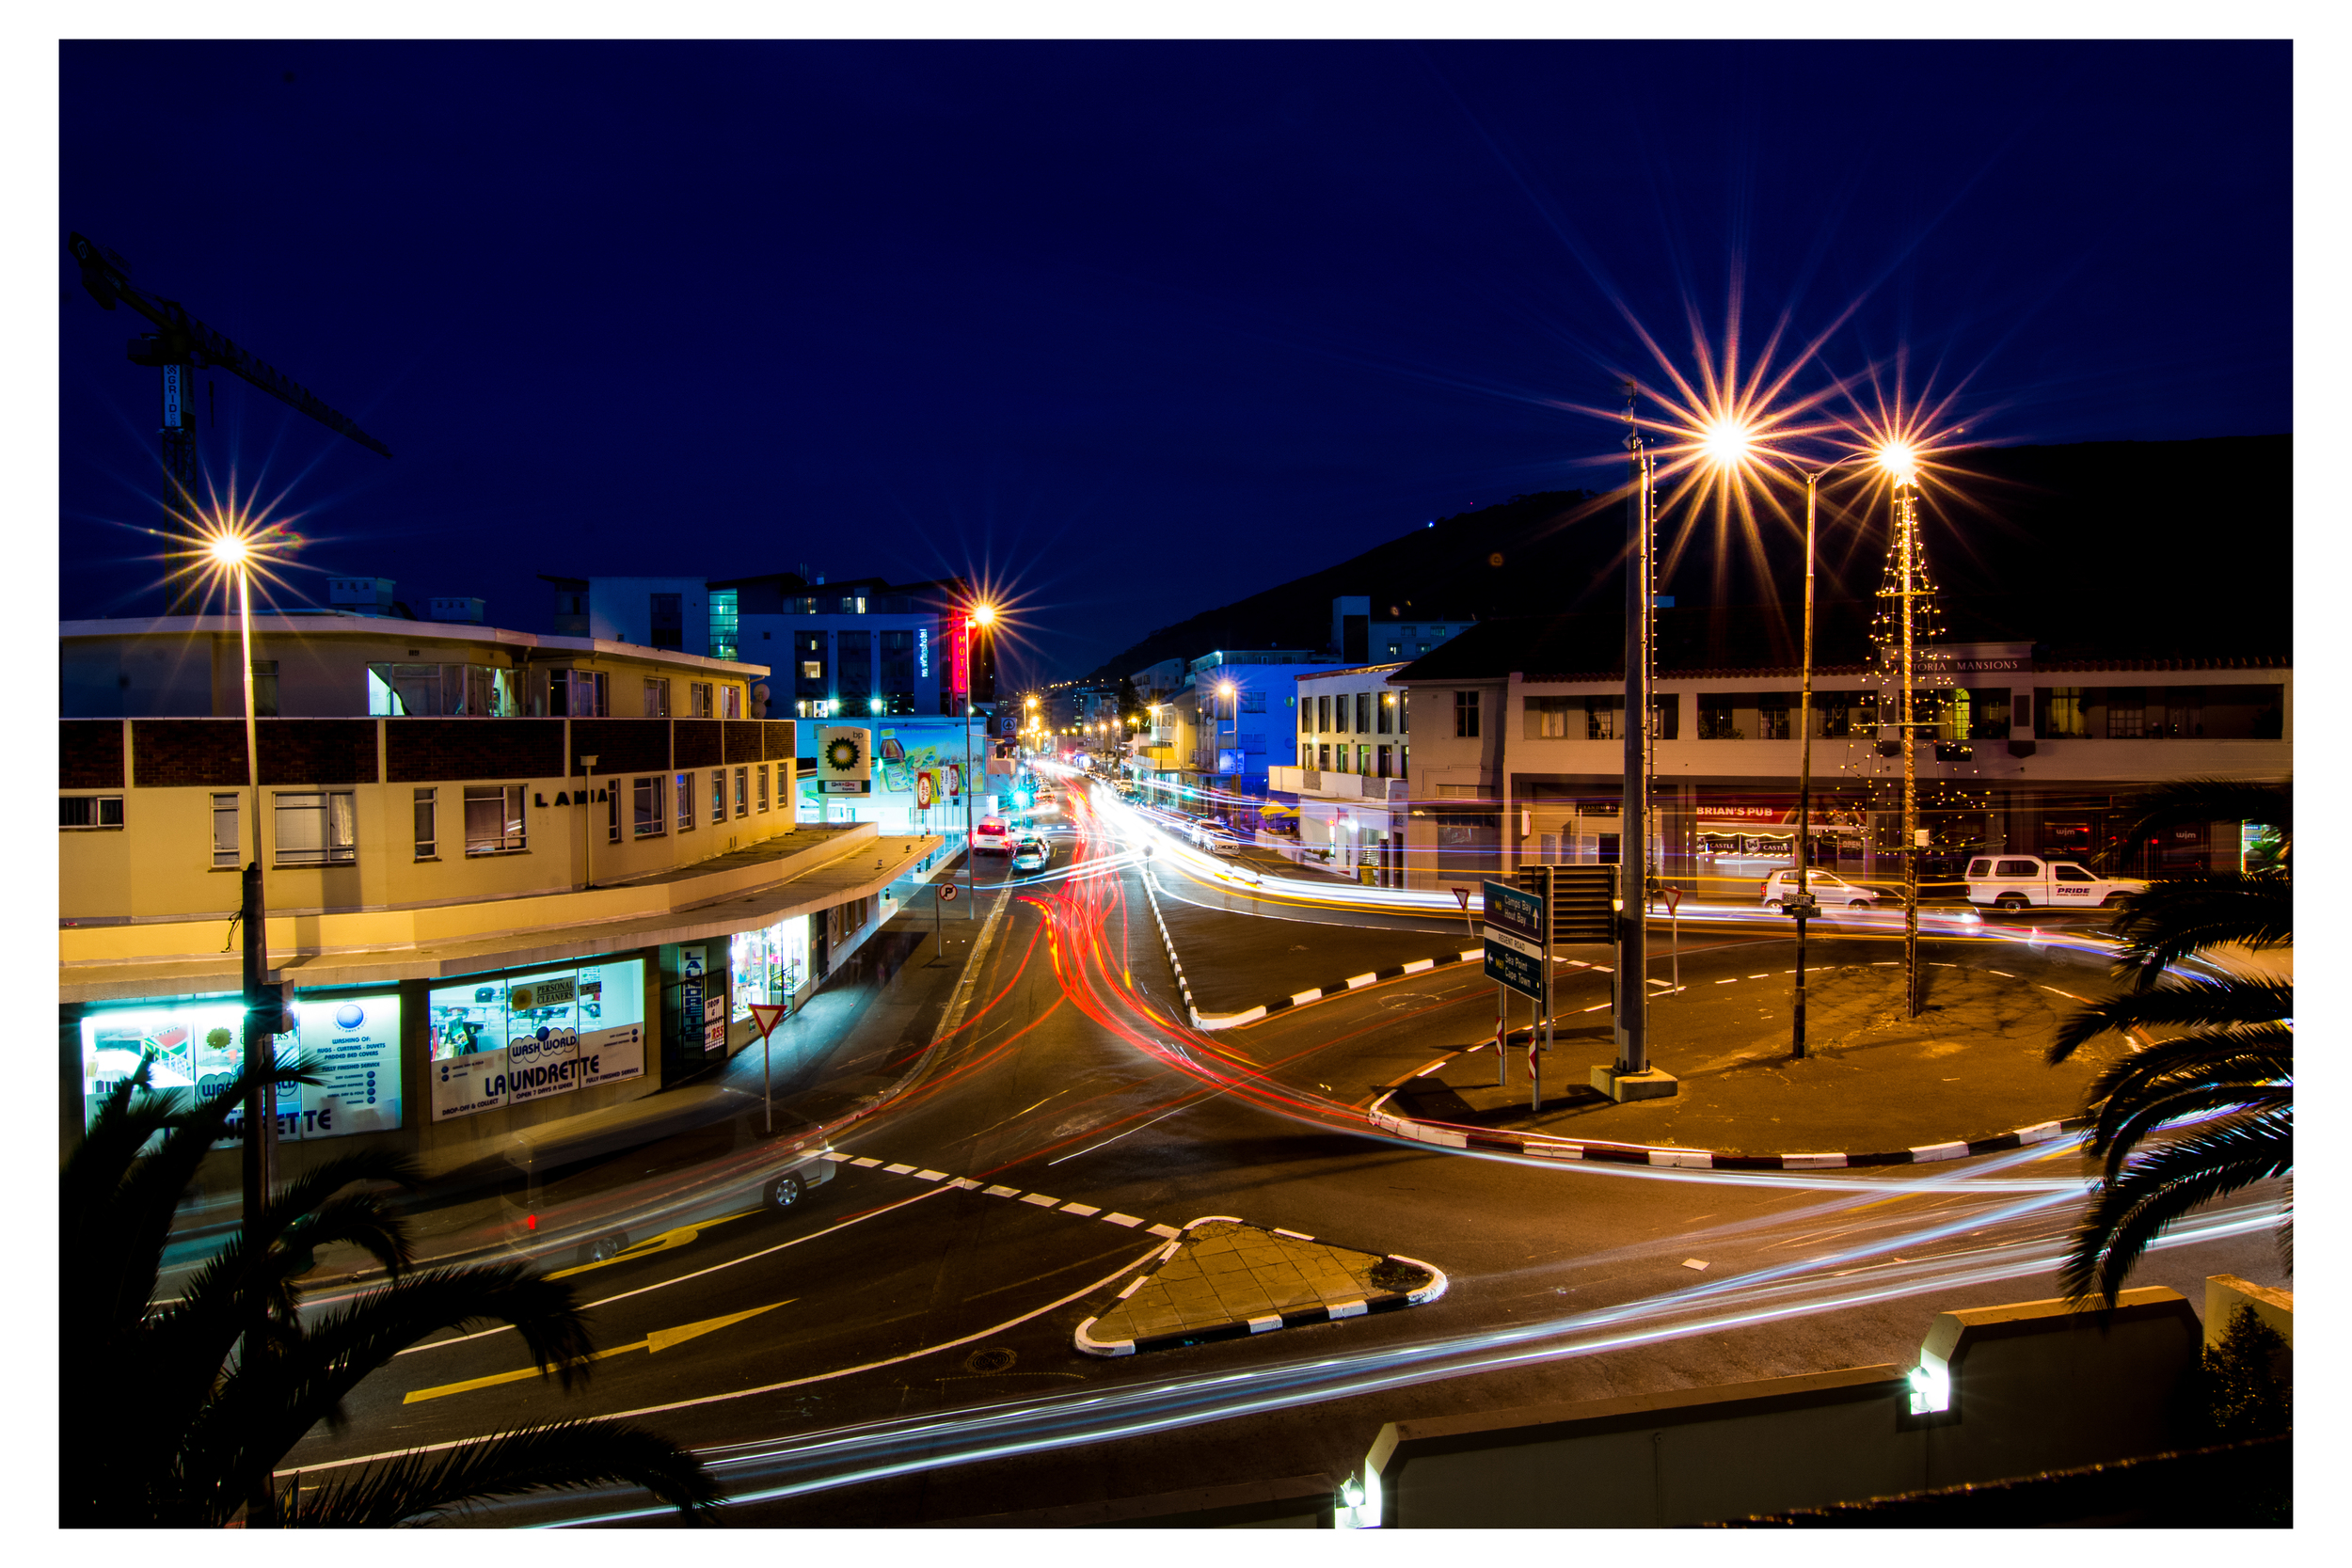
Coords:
pixel 767 1015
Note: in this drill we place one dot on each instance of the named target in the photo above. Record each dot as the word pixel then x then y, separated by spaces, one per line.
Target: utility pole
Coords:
pixel 1631 1077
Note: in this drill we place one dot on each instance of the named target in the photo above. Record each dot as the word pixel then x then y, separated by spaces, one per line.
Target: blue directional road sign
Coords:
pixel 1518 938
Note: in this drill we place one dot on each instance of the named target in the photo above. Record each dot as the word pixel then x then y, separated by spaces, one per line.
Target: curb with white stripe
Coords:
pixel 1380 1301
pixel 1544 1146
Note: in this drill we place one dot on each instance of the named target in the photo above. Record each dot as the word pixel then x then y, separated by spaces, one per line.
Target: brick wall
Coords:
pixel 168 753
pixel 621 745
pixel 778 737
pixel 316 751
pixel 89 753
pixel 165 752
pixel 744 737
pixel 697 742
pixel 422 751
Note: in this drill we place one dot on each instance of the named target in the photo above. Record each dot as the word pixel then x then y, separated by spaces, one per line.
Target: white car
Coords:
pixel 1827 889
pixel 2028 881
pixel 991 837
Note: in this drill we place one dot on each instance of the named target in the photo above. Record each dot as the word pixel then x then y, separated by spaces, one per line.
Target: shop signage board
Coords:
pixel 542 1064
pixel 926 791
pixel 715 1024
pixel 845 761
pixel 690 1001
pixel 500 1039
pixel 198 1045
pixel 610 1056
pixel 356 1042
pixel 1518 939
pixel 465 1084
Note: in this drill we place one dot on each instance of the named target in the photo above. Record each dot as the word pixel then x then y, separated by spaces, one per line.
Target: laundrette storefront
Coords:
pixel 429 1061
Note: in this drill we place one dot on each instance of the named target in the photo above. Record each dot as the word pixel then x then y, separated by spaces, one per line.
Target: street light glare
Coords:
pixel 228 549
pixel 1726 443
pixel 1899 461
pixel 984 615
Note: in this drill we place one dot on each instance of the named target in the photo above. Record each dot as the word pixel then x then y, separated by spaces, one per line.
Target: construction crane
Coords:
pixel 179 347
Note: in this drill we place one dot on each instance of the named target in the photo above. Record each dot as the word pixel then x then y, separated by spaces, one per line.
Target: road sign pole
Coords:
pixel 1502 1038
pixel 765 1016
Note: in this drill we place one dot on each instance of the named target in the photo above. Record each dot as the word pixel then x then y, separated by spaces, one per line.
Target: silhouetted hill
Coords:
pixel 2151 548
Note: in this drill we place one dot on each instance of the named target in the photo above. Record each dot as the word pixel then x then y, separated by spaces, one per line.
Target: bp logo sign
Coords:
pixel 845 762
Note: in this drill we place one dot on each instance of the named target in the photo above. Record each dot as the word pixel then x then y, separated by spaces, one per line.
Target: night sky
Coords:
pixel 1127 330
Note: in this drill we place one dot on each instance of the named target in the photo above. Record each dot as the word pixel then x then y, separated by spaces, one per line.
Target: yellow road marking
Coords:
pixel 651 1244
pixel 658 1340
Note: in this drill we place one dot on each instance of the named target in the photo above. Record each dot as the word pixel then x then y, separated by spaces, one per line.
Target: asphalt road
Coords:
pixel 898 1349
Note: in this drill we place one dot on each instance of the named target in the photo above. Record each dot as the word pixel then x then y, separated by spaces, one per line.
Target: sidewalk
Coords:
pixel 844 1051
pixel 1875 1087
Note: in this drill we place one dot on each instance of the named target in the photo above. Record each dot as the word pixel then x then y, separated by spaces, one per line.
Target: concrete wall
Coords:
pixel 2036 1386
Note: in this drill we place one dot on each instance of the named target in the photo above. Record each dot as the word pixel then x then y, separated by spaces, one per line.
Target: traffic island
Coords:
pixel 1877 1087
pixel 1223 1279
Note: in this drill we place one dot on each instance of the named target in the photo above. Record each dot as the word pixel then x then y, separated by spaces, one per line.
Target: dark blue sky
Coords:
pixel 1130 329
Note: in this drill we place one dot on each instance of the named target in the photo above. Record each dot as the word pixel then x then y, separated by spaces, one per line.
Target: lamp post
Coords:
pixel 1907 564
pixel 1803 906
pixel 258 1166
pixel 588 845
pixel 983 616
pixel 1226 690
pixel 1633 1023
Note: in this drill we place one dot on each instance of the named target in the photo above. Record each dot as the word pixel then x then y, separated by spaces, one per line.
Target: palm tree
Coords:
pixel 162 1425
pixel 2226 1060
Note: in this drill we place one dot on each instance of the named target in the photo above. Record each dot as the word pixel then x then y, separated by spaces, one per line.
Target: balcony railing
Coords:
pixel 1329 784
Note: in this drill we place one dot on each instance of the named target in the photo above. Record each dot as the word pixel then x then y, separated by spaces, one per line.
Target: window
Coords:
pixel 1386 769
pixel 812 668
pixel 1323 754
pixel 1306 715
pixel 742 792
pixel 1987 715
pixel 718 796
pixel 2017 868
pixel 853 665
pixel 1715 717
pixel 316 826
pixel 1253 701
pixel 1387 719
pixel 426 810
pixel 724 617
pixel 612 812
pixel 666 616
pixel 577 694
pixel 1465 715
pixel 2065 714
pixel 227 849
pixel 1323 715
pixel 1548 716
pixel 1600 717
pixel 1363 713
pixel 90 810
pixel 685 803
pixel 266 688
pixel 2127 712
pixel 898 671
pixel 648 814
pixel 1772 715
pixel 698 699
pixel 2071 874
pixel 1363 759
pixel 657 699
pixel 762 773
pixel 494 818
pixel 730 701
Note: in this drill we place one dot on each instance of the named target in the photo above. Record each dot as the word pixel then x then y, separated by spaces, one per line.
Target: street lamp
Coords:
pixel 233 552
pixel 1730 444
pixel 983 616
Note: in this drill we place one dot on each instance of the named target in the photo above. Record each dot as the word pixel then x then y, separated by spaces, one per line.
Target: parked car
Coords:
pixel 1828 890
pixel 1031 853
pixel 992 836
pixel 2028 881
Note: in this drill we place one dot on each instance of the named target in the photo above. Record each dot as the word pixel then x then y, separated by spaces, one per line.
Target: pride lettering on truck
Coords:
pixel 2029 881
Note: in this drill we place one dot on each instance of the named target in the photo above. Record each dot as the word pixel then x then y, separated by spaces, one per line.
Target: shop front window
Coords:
pixel 769 965
pixel 498 1039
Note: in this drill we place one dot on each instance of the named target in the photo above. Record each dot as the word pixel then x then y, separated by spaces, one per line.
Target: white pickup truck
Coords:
pixel 2028 881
